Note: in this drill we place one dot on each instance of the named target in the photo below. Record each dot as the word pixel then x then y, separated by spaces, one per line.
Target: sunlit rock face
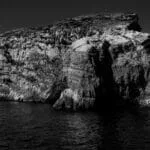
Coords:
pixel 77 63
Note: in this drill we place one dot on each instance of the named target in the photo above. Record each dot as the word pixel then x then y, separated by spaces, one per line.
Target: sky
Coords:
pixel 29 13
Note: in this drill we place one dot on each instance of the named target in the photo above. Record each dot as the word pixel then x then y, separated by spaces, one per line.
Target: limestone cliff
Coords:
pixel 77 63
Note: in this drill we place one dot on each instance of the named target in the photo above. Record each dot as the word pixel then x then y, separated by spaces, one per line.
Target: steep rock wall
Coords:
pixel 76 63
pixel 112 68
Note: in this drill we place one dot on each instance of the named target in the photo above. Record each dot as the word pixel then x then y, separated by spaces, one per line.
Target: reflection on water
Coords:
pixel 26 126
pixel 82 131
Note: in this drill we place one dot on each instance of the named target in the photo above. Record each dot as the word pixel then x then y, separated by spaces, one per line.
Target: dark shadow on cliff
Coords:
pixel 107 94
pixel 56 90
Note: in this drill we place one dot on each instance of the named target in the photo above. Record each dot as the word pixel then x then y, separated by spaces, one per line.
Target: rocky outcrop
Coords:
pixel 77 63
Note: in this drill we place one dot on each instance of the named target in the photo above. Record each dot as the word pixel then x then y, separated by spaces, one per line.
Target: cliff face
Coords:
pixel 77 63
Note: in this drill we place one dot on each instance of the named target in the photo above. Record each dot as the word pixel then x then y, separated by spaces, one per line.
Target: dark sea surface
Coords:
pixel 29 126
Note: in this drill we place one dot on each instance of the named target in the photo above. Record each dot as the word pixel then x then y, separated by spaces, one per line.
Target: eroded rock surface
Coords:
pixel 77 63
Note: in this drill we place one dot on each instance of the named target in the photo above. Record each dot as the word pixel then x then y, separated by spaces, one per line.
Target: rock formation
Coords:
pixel 77 63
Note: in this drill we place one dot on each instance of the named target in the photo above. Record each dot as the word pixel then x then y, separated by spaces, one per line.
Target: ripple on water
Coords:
pixel 38 126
